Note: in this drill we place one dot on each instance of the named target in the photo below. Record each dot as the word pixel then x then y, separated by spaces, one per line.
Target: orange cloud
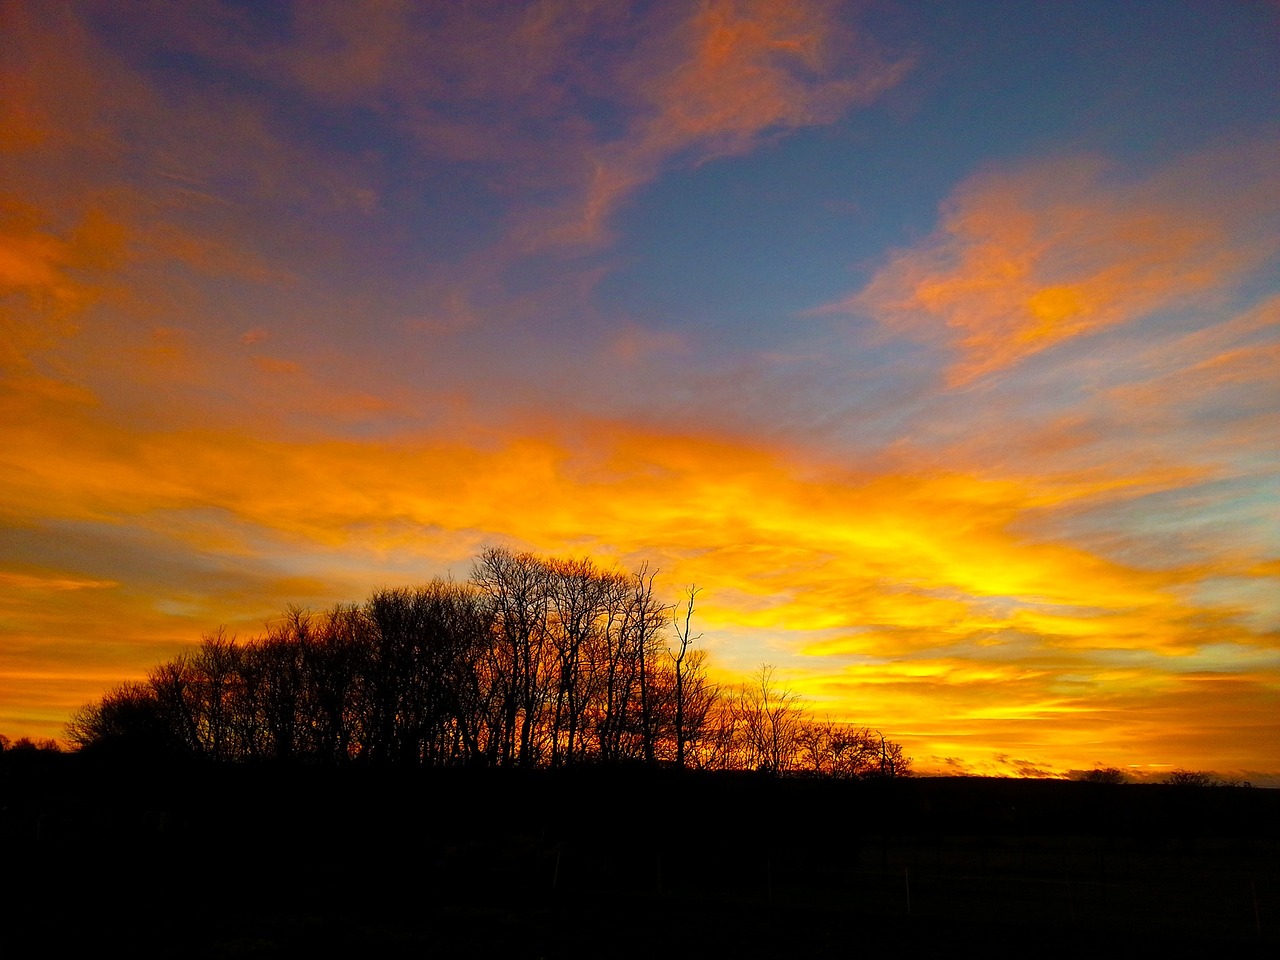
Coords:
pixel 276 366
pixel 49 85
pixel 36 581
pixel 714 84
pixel 921 600
pixel 1027 259
pixel 43 264
pixel 209 254
pixel 936 556
pixel 750 67
pixel 636 343
pixel 23 124
pixel 670 83
pixel 47 276
pixel 962 716
pixel 1235 358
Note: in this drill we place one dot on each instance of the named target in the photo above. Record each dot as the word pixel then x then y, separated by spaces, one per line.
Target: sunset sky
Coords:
pixel 938 343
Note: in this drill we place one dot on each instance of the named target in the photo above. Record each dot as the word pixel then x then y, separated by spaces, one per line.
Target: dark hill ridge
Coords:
pixel 209 860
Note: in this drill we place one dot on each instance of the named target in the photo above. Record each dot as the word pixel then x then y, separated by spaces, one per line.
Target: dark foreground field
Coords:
pixel 270 862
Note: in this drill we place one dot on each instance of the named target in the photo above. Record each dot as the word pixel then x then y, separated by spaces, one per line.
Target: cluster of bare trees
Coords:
pixel 1174 778
pixel 531 662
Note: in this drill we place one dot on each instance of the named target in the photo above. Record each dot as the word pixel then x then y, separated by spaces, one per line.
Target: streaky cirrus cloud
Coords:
pixel 716 83
pixel 897 558
pixel 1030 257
pixel 563 108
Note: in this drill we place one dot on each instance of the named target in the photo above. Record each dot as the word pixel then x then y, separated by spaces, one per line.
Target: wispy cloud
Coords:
pixel 715 83
pixel 48 276
pixel 1026 259
pixel 57 582
pixel 897 561
pixel 574 103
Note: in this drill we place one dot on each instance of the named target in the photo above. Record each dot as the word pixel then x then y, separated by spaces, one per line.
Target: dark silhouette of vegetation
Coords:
pixel 1112 775
pixel 294 860
pixel 532 662
pixel 25 745
pixel 1201 778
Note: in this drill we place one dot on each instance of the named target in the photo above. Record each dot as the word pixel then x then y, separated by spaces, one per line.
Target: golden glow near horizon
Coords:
pixel 1008 494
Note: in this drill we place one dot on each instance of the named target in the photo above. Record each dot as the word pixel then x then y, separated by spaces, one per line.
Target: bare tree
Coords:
pixel 645 619
pixel 173 685
pixel 684 638
pixel 127 718
pixel 214 681
pixel 578 595
pixel 832 748
pixel 272 670
pixel 614 652
pixel 530 662
pixel 770 718
pixel 516 586
pixel 335 666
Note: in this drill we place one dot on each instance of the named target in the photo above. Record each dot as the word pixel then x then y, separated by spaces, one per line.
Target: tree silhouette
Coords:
pixel 516 585
pixel 683 639
pixel 129 719
pixel 530 662
pixel 771 718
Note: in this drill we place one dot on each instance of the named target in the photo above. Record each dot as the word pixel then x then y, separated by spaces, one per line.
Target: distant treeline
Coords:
pixel 532 662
